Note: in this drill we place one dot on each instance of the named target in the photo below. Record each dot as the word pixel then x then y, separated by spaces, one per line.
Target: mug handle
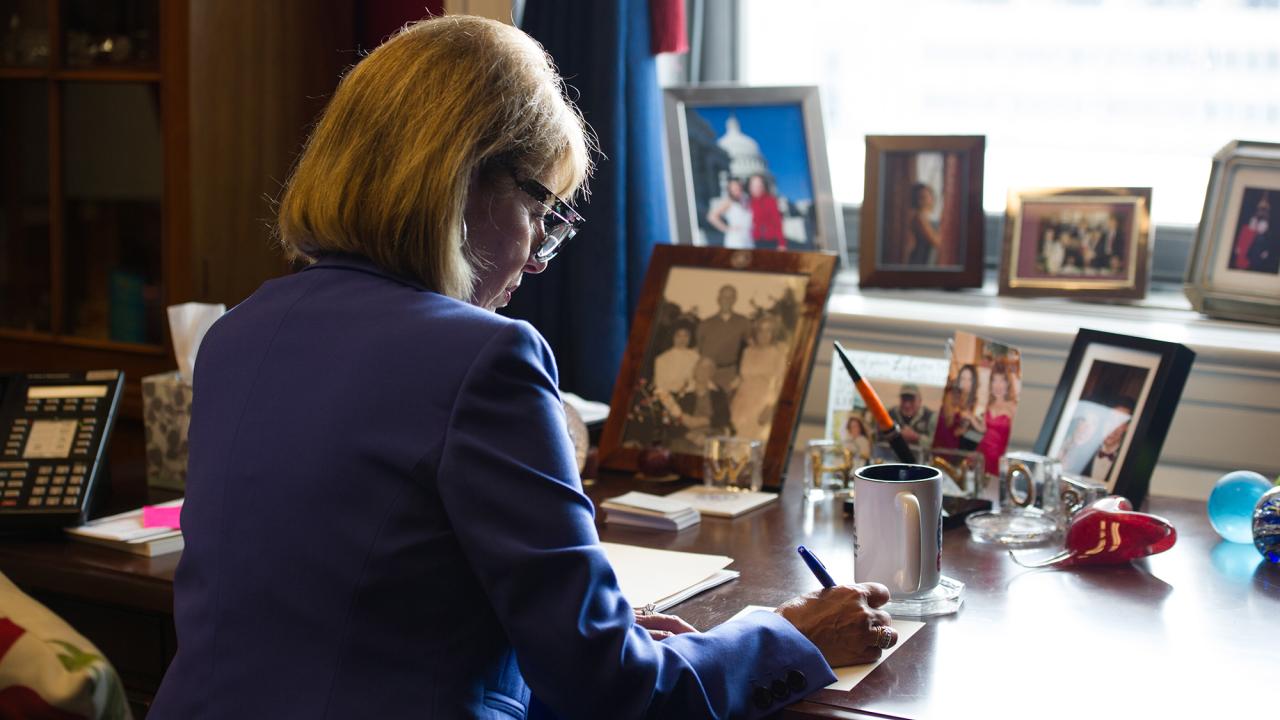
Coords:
pixel 910 567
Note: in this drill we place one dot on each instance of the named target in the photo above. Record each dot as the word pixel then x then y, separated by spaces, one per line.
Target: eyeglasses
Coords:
pixel 559 224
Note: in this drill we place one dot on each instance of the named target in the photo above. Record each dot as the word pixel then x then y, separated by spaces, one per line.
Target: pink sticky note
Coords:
pixel 156 516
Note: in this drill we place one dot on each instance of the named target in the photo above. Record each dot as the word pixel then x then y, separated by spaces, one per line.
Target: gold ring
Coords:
pixel 885 637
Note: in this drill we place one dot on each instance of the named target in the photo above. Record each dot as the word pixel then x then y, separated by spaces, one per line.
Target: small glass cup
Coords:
pixel 732 464
pixel 828 469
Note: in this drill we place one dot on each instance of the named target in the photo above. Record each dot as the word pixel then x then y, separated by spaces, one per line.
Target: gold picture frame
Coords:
pixel 1089 242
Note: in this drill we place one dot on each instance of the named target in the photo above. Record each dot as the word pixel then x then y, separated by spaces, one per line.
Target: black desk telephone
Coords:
pixel 54 428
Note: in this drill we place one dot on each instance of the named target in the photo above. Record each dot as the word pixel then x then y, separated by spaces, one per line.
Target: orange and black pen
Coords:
pixel 883 419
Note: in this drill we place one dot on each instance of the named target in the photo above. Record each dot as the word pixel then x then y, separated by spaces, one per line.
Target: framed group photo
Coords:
pixel 922 220
pixel 1234 271
pixel 1077 242
pixel 1113 407
pixel 749 169
pixel 722 345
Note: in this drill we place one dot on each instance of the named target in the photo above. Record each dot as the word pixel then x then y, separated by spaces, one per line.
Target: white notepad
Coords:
pixel 651 511
pixel 722 503
pixel 664 578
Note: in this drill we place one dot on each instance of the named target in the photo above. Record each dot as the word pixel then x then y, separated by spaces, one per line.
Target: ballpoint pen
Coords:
pixel 890 428
pixel 815 565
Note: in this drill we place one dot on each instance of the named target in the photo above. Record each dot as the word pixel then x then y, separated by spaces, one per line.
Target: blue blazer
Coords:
pixel 384 519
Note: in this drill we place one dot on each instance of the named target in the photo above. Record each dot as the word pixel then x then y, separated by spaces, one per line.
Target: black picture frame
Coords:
pixel 1096 353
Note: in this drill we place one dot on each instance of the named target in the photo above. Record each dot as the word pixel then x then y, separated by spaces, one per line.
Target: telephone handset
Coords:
pixel 54 428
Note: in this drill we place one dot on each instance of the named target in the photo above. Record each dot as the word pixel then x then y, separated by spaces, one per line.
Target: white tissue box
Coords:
pixel 166 411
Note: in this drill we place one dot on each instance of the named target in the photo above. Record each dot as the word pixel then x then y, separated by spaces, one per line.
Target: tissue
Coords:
pixel 188 323
pixel 166 398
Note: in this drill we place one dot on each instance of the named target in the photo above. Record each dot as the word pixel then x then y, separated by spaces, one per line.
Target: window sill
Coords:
pixel 1228 412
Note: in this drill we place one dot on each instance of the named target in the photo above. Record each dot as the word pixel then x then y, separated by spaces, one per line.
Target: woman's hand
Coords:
pixel 842 621
pixel 662 626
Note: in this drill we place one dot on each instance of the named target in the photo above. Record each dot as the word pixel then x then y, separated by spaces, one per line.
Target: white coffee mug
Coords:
pixel 897 512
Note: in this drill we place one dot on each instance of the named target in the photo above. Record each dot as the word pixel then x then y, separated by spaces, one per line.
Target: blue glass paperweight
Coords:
pixel 1232 502
pixel 1266 525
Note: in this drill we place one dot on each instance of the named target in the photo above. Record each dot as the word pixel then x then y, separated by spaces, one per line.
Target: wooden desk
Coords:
pixel 1191 632
pixel 1193 629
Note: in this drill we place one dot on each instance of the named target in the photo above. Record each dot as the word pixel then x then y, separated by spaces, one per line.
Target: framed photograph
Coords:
pixel 722 344
pixel 1077 242
pixel 1235 264
pixel 922 219
pixel 749 169
pixel 984 382
pixel 1112 409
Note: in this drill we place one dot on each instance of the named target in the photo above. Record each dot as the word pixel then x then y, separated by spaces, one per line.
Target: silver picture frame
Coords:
pixel 688 184
pixel 1216 282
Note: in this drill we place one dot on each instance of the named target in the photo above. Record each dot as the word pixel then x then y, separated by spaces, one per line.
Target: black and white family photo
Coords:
pixel 716 358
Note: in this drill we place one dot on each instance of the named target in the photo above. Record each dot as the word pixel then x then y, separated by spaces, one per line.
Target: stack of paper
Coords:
pixel 651 511
pixel 659 579
pixel 128 533
pixel 720 502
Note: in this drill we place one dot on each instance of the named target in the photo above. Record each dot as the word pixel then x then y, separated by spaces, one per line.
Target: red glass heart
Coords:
pixel 1108 532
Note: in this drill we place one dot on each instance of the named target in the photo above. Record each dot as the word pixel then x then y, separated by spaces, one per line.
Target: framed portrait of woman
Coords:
pixel 1234 271
pixel 1077 242
pixel 1113 407
pixel 722 345
pixel 748 168
pixel 922 220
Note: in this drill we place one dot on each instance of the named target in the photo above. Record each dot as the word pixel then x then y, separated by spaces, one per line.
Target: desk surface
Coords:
pixel 1194 628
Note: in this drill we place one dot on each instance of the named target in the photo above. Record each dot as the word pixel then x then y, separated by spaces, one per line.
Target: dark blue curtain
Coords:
pixel 584 301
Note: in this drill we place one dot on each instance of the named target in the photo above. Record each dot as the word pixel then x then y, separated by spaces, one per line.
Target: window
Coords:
pixel 1067 92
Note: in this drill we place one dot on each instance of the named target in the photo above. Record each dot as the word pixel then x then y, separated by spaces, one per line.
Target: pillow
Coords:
pixel 49 671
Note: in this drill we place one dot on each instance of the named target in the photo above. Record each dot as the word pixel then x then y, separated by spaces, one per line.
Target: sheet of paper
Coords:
pixel 647 576
pixel 710 501
pixel 127 526
pixel 849 676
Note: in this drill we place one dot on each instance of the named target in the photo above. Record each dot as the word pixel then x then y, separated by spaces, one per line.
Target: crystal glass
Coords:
pixel 1020 518
pixel 963 471
pixel 828 468
pixel 1072 494
pixel 733 464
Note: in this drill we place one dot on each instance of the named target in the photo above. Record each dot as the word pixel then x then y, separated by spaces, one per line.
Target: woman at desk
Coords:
pixel 383 517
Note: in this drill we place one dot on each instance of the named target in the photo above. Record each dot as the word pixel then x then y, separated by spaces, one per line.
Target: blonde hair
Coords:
pixel 386 171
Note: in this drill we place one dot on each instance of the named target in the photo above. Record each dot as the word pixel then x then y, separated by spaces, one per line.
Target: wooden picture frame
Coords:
pixel 1234 271
pixel 1109 381
pixel 1077 242
pixel 760 378
pixel 720 134
pixel 912 239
